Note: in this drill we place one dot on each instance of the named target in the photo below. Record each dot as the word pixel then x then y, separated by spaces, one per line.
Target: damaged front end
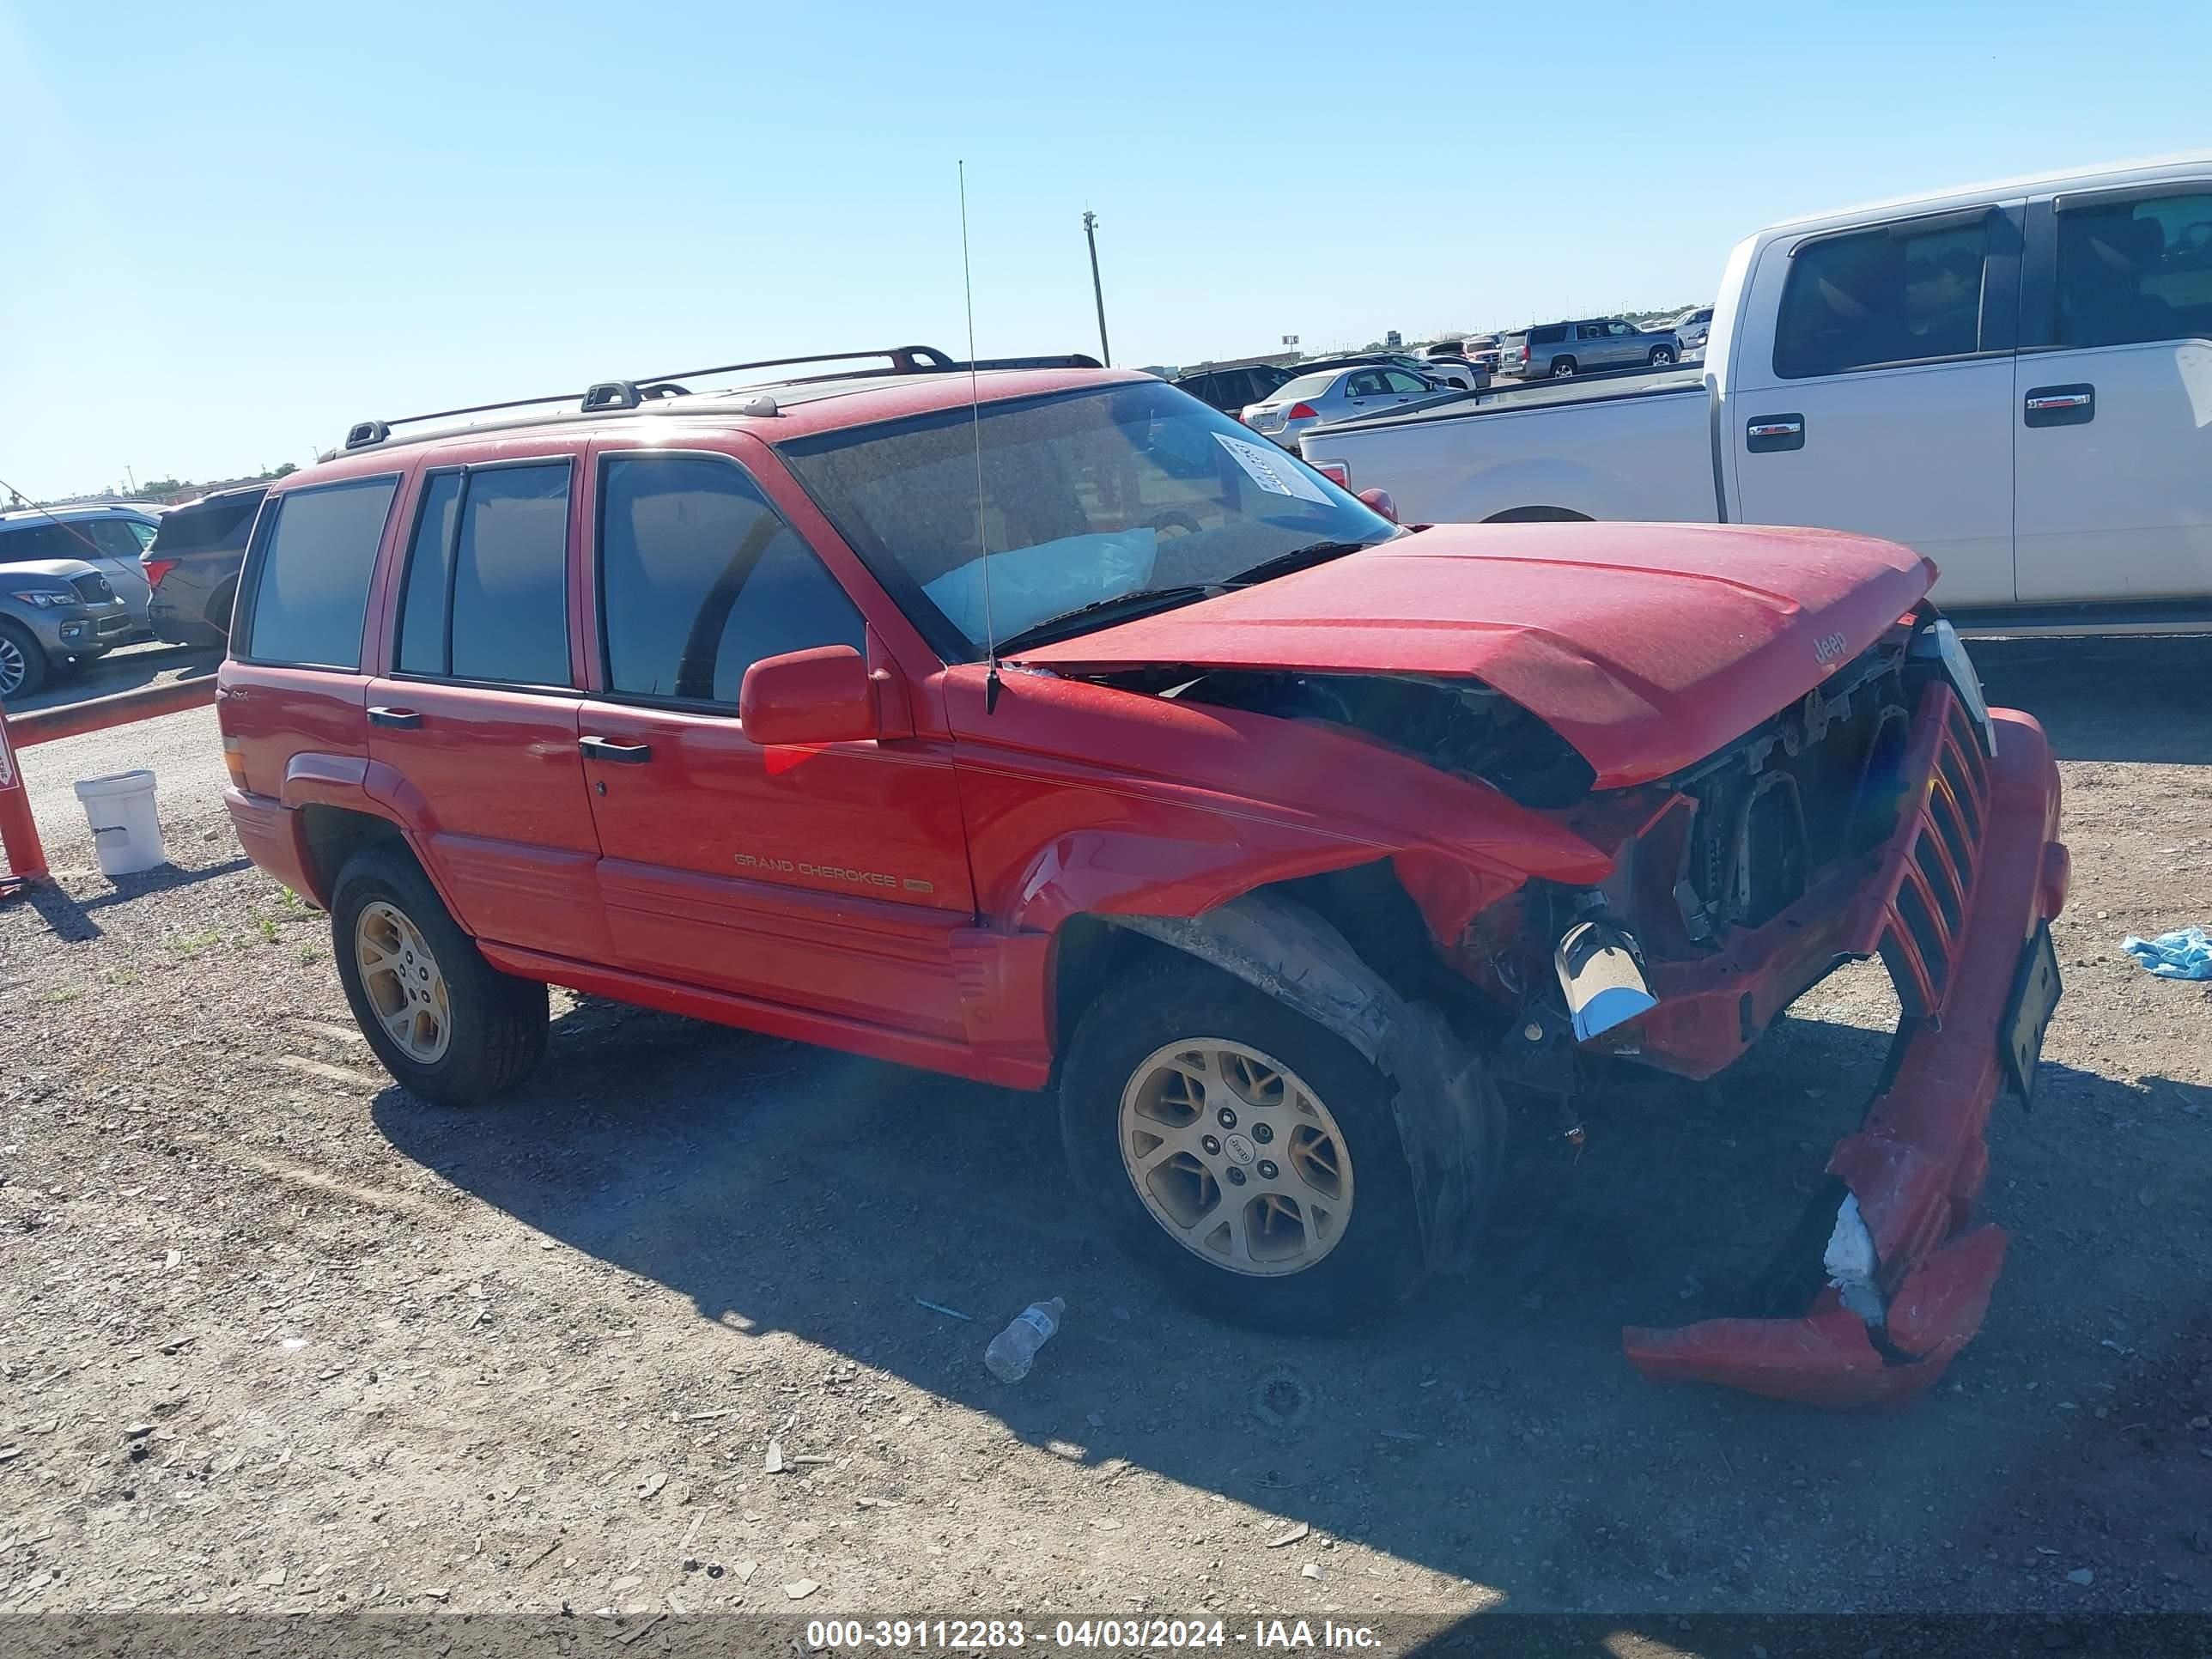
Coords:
pixel 1886 812
pixel 1889 814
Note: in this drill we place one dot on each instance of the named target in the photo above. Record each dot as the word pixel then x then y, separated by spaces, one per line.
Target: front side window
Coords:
pixel 1895 295
pixel 700 578
pixel 1095 494
pixel 1619 330
pixel 311 592
pixel 2135 271
pixel 1401 381
pixel 114 538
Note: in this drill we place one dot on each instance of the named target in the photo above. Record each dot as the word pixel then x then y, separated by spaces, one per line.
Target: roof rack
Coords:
pixel 609 396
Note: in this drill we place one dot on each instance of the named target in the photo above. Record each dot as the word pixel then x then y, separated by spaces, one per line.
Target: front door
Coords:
pixel 474 728
pixel 1882 400
pixel 2112 399
pixel 831 878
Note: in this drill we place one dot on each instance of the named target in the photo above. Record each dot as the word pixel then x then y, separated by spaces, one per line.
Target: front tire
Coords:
pixel 23 665
pixel 1661 357
pixel 1246 1157
pixel 446 1024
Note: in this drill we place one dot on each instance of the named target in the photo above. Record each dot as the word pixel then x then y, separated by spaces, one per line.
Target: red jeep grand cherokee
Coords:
pixel 1275 835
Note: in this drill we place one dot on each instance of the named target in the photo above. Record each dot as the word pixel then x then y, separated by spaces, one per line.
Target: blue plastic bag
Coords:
pixel 2186 955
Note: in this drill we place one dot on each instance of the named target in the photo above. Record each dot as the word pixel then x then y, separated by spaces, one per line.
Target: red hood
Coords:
pixel 1645 646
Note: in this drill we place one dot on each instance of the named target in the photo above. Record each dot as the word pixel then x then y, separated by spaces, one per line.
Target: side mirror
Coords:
pixel 1380 500
pixel 821 696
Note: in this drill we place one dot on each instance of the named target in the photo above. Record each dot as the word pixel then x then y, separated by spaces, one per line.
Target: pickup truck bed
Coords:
pixel 1659 466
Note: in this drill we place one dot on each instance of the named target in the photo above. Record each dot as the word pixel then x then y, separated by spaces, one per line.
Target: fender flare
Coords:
pixel 1445 1104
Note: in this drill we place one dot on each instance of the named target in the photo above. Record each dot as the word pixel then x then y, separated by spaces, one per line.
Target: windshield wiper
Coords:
pixel 1297 559
pixel 1100 613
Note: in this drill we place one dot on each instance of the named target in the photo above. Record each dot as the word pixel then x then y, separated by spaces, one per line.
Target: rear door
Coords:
pixel 295 685
pixel 828 878
pixel 1874 389
pixel 474 725
pixel 2112 397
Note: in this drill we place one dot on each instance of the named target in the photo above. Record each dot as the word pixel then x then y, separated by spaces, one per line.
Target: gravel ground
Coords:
pixel 275 1336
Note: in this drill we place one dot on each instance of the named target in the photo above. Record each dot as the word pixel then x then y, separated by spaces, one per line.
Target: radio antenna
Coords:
pixel 976 421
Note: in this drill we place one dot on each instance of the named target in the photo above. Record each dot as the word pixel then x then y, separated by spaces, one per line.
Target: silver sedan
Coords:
pixel 1333 394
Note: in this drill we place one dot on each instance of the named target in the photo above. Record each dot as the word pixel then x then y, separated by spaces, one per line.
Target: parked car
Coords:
pixel 191 565
pixel 1438 373
pixel 1692 327
pixel 1334 394
pixel 55 615
pixel 1229 389
pixel 2012 380
pixel 1457 362
pixel 108 537
pixel 1564 349
pixel 1273 836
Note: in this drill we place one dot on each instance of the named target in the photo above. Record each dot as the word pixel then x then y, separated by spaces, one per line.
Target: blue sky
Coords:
pixel 233 231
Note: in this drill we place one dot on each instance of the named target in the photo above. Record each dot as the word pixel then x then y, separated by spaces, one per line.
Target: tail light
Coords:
pixel 157 568
pixel 235 763
pixel 1302 412
pixel 1337 472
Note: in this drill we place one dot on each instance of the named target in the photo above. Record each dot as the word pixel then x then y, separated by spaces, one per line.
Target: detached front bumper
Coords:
pixel 1954 940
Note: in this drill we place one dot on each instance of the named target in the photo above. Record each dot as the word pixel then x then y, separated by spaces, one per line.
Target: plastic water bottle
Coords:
pixel 1012 1349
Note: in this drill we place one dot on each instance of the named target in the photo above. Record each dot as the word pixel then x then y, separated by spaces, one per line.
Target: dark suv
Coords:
pixel 193 565
pixel 1229 389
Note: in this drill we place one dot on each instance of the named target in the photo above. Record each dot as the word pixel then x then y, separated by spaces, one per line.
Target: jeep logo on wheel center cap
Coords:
pixel 1240 1149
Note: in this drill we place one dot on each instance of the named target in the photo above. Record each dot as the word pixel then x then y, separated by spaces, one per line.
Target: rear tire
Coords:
pixel 1562 366
pixel 446 1024
pixel 1324 1212
pixel 23 665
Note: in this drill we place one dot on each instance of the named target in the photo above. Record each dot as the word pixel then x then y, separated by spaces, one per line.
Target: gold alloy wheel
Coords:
pixel 405 987
pixel 1235 1156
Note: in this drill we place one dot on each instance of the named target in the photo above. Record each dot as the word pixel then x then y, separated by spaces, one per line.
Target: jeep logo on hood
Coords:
pixel 1828 648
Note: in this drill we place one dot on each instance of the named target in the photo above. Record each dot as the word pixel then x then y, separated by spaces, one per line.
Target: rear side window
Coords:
pixel 700 578
pixel 510 580
pixel 422 605
pixel 1883 296
pixel 2135 271
pixel 209 524
pixel 311 592
pixel 1551 334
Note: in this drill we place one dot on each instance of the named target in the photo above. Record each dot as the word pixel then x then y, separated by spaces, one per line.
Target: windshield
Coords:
pixel 1087 496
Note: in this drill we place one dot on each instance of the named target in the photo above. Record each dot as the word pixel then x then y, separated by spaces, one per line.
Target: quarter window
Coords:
pixel 311 592
pixel 1883 296
pixel 2135 271
pixel 700 578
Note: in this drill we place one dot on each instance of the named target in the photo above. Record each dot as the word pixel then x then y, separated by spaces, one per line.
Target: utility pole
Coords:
pixel 1090 235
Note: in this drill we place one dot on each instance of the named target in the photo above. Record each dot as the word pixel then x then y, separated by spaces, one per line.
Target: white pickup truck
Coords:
pixel 2014 381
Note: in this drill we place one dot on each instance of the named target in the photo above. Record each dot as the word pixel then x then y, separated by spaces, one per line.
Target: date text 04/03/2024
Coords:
pixel 1089 1635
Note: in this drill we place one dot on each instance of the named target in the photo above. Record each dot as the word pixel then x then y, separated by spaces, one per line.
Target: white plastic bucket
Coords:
pixel 126 832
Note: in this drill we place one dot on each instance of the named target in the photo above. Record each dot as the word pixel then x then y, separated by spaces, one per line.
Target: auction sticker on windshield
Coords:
pixel 1268 471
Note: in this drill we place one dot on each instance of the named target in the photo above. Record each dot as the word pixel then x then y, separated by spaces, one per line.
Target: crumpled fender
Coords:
pixel 1446 1106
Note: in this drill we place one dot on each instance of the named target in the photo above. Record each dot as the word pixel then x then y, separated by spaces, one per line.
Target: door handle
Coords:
pixel 624 754
pixel 1763 434
pixel 2060 405
pixel 401 720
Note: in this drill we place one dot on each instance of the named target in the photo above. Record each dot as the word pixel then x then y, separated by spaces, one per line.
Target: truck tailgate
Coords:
pixel 1637 448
